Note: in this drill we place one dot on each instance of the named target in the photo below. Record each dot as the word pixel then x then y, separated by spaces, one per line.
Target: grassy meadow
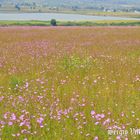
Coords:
pixel 69 83
pixel 72 23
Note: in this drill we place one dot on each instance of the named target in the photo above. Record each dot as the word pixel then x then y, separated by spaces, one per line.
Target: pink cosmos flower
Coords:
pixel 40 121
pixel 13 117
pixel 118 138
pixel 96 138
pixel 96 123
pixel 10 123
pixel 92 112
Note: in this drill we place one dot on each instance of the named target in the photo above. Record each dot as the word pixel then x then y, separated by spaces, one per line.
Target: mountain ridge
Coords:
pixel 76 3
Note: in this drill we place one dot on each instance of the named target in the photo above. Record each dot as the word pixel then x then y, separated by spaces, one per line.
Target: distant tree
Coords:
pixel 75 8
pixel 57 9
pixel 114 10
pixel 34 4
pixel 17 7
pixel 39 11
pixel 53 22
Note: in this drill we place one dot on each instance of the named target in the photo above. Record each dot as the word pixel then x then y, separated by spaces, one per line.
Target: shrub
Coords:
pixel 53 22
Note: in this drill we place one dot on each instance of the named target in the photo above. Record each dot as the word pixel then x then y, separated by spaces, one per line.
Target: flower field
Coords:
pixel 69 83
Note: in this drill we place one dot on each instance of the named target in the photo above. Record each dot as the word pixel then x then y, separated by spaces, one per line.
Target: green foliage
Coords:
pixel 75 62
pixel 134 54
pixel 15 82
pixel 53 22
